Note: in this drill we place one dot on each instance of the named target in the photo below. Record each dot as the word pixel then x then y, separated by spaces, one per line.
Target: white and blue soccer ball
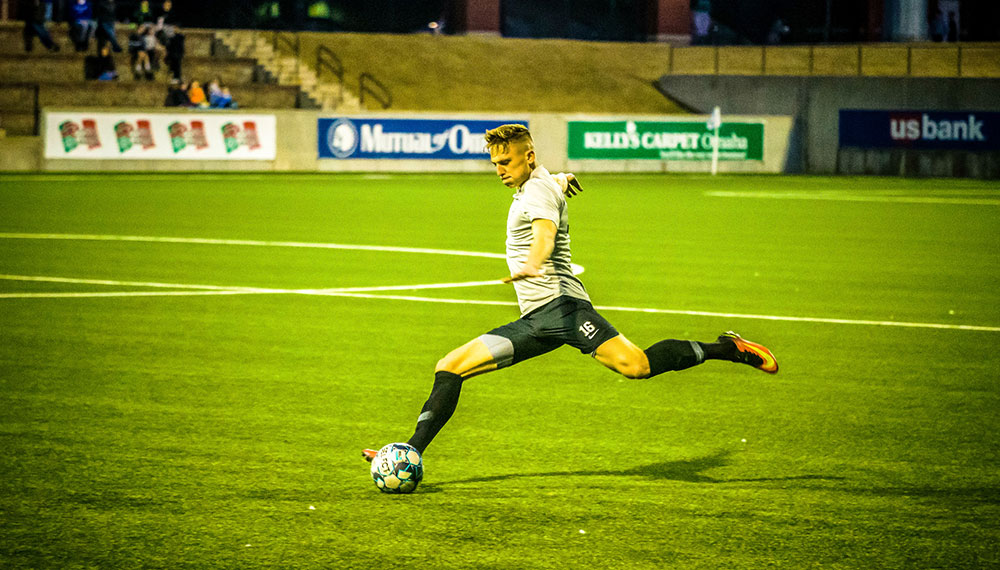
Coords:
pixel 397 468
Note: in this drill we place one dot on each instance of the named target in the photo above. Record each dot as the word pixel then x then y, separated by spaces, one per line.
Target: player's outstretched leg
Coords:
pixel 670 355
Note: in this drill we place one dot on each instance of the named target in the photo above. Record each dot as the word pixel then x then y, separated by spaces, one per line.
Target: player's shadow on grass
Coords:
pixel 687 470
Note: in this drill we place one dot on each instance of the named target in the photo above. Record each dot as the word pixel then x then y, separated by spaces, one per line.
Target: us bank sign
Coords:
pixel 435 139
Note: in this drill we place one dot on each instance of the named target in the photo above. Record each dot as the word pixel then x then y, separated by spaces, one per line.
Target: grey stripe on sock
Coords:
pixel 698 352
pixel 428 415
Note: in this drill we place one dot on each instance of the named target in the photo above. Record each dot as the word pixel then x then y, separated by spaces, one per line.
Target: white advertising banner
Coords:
pixel 159 136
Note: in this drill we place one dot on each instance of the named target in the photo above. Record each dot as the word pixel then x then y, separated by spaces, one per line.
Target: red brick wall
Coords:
pixel 481 16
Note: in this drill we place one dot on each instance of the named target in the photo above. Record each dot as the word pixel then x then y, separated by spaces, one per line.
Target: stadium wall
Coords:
pixel 815 103
pixel 297 145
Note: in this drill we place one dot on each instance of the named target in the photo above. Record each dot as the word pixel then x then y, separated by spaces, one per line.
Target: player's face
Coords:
pixel 514 163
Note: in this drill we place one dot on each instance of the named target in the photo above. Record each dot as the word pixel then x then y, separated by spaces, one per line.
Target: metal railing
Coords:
pixel 289 40
pixel 382 95
pixel 328 61
pixel 25 98
pixel 869 60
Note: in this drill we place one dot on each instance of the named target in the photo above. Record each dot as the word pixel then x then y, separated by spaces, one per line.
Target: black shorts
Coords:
pixel 565 320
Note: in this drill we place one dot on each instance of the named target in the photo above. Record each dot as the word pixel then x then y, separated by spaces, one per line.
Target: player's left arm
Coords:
pixel 543 241
pixel 568 183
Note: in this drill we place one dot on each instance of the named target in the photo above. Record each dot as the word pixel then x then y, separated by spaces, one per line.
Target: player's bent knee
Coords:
pixel 624 358
pixel 634 369
pixel 633 364
pixel 450 363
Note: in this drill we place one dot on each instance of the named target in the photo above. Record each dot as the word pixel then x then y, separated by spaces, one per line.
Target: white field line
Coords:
pixel 211 241
pixel 204 289
pixel 152 284
pixel 366 292
pixel 577 269
pixel 207 177
pixel 843 197
pixel 398 287
pixel 807 319
pixel 363 293
pixel 691 313
pixel 117 294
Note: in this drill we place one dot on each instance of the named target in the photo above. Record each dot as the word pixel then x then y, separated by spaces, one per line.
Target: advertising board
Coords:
pixel 663 140
pixel 920 130
pixel 159 136
pixel 430 139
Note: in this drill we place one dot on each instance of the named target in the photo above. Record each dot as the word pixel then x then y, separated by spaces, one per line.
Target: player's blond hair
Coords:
pixel 504 135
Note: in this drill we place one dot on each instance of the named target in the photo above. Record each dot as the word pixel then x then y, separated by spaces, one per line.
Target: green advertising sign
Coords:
pixel 628 140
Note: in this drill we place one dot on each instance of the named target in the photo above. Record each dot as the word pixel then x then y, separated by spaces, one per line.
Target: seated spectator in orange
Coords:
pixel 197 95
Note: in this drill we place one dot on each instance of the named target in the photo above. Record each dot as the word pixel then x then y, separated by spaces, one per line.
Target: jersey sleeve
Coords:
pixel 541 202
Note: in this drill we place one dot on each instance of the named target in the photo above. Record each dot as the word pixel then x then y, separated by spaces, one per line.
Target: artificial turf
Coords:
pixel 220 425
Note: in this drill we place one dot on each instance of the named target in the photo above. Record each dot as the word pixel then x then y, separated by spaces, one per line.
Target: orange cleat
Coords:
pixel 751 353
pixel 368 454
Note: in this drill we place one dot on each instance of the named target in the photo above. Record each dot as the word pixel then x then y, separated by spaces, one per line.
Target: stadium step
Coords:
pixel 289 70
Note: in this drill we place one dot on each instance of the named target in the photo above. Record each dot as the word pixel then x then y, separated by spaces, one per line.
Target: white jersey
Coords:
pixel 541 198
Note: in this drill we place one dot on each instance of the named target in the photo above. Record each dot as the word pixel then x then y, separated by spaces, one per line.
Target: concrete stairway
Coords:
pixel 289 70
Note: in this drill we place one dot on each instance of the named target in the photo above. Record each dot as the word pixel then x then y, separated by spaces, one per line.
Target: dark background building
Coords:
pixel 733 22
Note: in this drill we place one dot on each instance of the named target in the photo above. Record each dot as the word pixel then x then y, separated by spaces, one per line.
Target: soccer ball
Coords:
pixel 397 468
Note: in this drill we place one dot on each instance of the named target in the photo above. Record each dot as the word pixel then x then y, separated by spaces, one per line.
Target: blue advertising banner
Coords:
pixel 433 139
pixel 921 130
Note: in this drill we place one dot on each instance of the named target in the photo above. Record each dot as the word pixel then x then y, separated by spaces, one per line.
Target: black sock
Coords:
pixel 668 355
pixel 438 408
pixel 719 350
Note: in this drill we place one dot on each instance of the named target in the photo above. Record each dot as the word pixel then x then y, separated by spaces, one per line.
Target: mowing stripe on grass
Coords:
pixel 843 197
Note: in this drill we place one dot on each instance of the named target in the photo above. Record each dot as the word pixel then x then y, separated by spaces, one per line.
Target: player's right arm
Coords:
pixel 543 241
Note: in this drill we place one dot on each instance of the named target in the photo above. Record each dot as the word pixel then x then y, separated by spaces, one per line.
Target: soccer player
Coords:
pixel 555 307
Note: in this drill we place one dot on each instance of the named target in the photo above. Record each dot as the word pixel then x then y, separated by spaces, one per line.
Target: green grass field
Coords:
pixel 202 404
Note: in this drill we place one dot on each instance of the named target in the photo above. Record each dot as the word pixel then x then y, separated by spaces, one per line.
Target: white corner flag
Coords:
pixel 714 122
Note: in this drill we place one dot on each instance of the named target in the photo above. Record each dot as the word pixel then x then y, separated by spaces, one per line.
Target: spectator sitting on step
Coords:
pixel 222 99
pixel 177 94
pixel 143 48
pixel 197 95
pixel 138 58
pixel 33 12
pixel 214 87
pixel 81 24
pixel 101 67
pixel 154 51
